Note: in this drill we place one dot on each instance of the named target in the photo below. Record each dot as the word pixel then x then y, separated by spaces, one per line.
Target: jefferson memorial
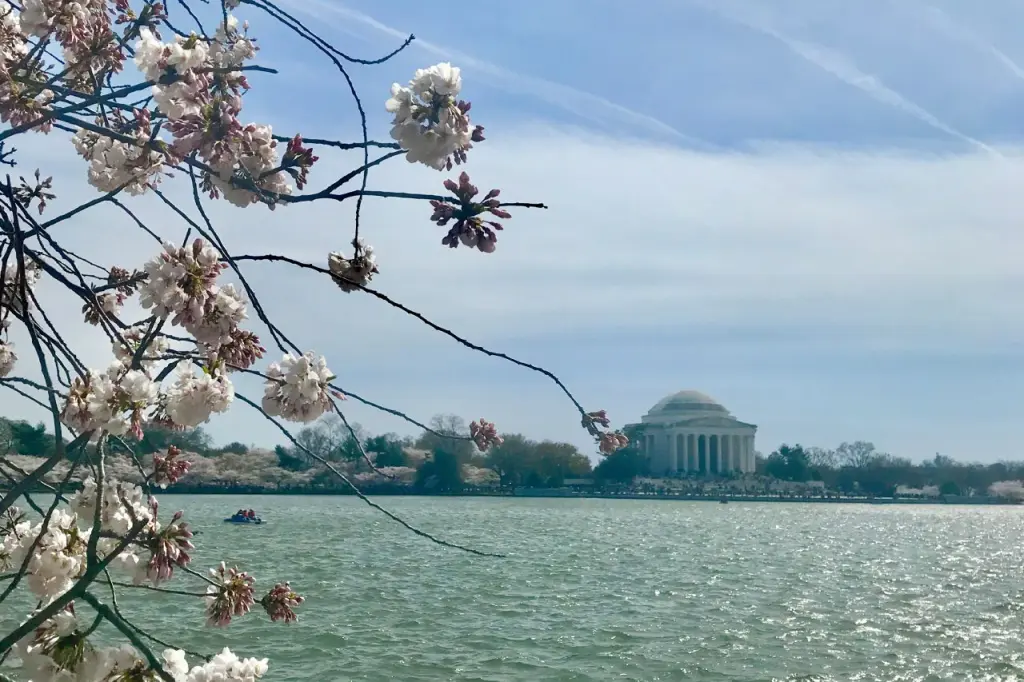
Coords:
pixel 690 433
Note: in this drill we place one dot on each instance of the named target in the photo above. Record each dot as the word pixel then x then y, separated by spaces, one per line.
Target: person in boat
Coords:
pixel 251 515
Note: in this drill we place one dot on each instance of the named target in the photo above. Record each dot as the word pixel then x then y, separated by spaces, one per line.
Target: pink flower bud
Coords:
pixel 484 434
pixel 280 602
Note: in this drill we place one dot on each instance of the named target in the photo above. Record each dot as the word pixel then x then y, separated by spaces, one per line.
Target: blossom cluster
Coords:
pixel 83 29
pixel 231 595
pixel 133 162
pixel 11 302
pixel 280 603
pixel 198 87
pixel 298 388
pixel 8 358
pixel 131 344
pixel 54 554
pixel 181 285
pixel 60 650
pixel 54 551
pixel 24 94
pixel 14 280
pixel 169 468
pixel 352 273
pixel 598 425
pixel 469 228
pixel 484 434
pixel 114 401
pixel 430 123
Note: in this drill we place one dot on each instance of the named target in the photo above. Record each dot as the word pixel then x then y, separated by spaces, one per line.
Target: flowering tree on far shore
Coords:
pixel 146 95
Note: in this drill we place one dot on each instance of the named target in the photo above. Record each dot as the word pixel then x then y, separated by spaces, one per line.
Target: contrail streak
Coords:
pixel 941 21
pixel 840 66
pixel 578 102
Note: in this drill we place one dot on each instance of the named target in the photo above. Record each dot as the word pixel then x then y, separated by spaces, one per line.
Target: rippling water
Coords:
pixel 620 590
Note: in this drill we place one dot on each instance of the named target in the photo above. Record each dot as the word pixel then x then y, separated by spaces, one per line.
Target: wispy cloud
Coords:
pixel 945 24
pixel 577 102
pixel 843 68
pixel 801 285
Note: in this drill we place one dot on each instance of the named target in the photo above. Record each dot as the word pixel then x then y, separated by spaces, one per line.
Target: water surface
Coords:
pixel 618 590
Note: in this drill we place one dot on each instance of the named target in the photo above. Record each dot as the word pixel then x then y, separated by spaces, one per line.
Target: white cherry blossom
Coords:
pixel 8 358
pixel 193 398
pixel 297 388
pixel 430 123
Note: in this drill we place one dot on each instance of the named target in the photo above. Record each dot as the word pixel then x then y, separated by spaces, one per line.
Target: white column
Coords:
pixel 705 456
pixel 727 446
pixel 673 456
pixel 750 452
pixel 684 460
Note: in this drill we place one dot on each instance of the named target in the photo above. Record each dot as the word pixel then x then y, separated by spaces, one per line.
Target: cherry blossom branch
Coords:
pixel 117 610
pixel 422 318
pixel 23 568
pixel 132 141
pixel 77 590
pixel 129 634
pixel 369 403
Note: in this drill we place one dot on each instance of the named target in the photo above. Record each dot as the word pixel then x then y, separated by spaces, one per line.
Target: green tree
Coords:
pixel 949 488
pixel 555 462
pixel 32 440
pixel 622 466
pixel 511 459
pixel 789 463
pixel 388 450
pixel 521 461
pixel 192 440
pixel 286 459
pixel 442 471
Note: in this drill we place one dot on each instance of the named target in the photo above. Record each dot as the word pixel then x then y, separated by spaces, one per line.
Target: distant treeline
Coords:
pixel 444 460
pixel 859 467
pixel 856 468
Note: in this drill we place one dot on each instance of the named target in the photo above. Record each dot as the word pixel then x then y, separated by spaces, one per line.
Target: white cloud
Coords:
pixel 881 249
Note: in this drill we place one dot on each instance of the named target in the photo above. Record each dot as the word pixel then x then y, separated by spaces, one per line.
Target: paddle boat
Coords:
pixel 244 516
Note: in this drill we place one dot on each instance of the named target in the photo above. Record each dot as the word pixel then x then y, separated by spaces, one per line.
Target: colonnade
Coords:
pixel 714 453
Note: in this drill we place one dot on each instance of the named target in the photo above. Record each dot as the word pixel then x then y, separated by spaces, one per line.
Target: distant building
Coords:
pixel 689 432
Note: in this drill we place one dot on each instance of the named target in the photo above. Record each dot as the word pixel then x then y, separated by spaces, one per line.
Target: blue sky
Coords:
pixel 811 213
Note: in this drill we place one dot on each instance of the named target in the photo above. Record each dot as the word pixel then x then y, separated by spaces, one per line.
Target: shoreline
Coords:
pixel 568 494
